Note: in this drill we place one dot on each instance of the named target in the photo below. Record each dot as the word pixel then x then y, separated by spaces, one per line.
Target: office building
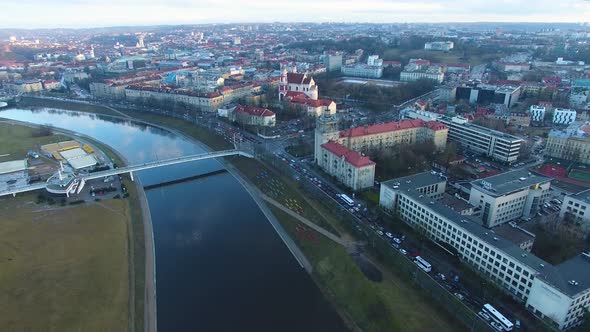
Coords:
pixel 444 46
pixel 489 94
pixel 564 116
pixel 558 293
pixel 492 143
pixel 508 196
pixel 350 167
pixel 572 143
pixel 576 208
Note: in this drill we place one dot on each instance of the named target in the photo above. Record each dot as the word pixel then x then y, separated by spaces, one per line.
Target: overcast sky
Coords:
pixel 93 13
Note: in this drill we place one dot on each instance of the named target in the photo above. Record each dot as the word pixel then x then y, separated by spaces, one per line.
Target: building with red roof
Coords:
pixel 253 116
pixel 393 133
pixel 353 169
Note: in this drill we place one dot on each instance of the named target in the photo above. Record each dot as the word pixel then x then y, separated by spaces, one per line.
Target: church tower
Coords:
pixel 283 82
pixel 326 129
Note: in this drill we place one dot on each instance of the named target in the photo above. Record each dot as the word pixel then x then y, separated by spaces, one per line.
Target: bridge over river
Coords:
pixel 70 183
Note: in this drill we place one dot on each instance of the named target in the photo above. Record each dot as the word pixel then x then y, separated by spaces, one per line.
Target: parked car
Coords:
pixel 389 235
pixel 460 296
pixel 380 233
pixel 403 251
pixel 484 315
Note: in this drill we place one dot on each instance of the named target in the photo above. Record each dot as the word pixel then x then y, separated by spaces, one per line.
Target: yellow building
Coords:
pixel 394 133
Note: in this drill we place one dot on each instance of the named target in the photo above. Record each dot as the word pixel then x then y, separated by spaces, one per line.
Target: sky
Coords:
pixel 104 13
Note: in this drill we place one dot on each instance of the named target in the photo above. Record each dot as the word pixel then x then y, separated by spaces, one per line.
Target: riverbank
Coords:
pixel 142 304
pixel 393 304
pixel 63 267
pixel 390 305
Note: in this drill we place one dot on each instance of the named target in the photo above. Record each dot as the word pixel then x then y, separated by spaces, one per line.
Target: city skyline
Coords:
pixel 83 14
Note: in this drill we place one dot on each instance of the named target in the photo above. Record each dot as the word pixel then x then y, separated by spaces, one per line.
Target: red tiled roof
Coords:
pixel 296 78
pixel 256 111
pixel 391 126
pixel 352 157
pixel 296 94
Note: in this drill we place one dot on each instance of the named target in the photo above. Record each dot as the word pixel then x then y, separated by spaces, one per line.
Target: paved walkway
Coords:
pixel 310 224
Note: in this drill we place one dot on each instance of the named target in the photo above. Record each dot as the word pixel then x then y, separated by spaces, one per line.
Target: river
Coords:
pixel 220 264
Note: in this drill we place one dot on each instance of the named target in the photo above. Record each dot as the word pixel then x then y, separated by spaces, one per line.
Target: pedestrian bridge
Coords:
pixel 76 182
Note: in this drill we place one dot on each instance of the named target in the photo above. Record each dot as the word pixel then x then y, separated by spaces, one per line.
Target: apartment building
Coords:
pixel 350 167
pixel 508 196
pixel 27 86
pixel 492 143
pixel 563 116
pixel 572 143
pixel 537 113
pixel 253 116
pixel 559 293
pixel 389 134
pixel 208 102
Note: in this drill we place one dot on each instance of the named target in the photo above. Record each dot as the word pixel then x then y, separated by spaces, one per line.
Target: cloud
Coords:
pixel 84 13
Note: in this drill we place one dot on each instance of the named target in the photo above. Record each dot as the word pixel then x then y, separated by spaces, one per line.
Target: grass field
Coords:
pixel 63 268
pixel 16 140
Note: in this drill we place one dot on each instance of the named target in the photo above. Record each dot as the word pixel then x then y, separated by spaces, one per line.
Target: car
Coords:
pixel 497 326
pixel 517 323
pixel 403 251
pixel 459 296
pixel 396 240
pixel 484 316
pixel 380 233
pixel 395 245
pixel 441 276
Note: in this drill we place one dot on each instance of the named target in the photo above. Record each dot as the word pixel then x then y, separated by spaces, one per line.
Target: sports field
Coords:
pixel 579 175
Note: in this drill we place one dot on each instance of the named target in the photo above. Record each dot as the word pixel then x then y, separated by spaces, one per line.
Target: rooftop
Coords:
pixel 256 111
pixel 352 157
pixel 508 182
pixel 415 181
pixel 391 126
pixel 571 277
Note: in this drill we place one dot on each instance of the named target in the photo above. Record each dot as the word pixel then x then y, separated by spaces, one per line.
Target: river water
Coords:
pixel 220 265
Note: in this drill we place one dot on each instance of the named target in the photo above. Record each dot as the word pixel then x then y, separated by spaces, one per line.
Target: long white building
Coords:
pixel 559 293
pixel 492 143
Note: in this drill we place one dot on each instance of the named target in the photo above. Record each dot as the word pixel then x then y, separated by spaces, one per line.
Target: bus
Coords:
pixel 498 317
pixel 423 264
pixel 346 200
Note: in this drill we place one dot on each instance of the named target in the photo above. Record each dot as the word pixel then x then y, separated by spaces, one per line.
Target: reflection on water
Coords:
pixel 220 265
